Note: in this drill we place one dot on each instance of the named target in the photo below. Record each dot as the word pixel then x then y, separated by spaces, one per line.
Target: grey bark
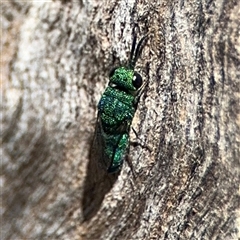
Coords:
pixel 56 57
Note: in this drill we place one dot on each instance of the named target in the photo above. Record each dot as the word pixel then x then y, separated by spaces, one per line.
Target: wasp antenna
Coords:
pixel 139 49
pixel 131 59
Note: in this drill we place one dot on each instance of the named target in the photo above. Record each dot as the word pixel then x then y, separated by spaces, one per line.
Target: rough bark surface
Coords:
pixel 56 57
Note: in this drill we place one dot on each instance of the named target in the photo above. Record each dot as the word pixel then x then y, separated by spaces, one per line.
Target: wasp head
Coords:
pixel 125 78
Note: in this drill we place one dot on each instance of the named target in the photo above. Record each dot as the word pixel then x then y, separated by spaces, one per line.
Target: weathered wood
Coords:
pixel 55 62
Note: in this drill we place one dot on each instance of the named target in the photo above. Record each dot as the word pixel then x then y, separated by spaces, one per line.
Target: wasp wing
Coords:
pixel 98 150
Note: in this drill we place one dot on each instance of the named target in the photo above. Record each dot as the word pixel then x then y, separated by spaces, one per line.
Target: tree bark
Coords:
pixel 56 57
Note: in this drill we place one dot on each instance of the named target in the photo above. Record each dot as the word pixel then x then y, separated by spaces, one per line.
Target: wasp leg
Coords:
pixel 129 161
pixel 138 143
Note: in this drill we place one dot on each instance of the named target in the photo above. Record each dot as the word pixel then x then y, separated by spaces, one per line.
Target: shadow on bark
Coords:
pixel 96 185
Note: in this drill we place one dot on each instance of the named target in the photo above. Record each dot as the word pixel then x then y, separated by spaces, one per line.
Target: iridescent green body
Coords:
pixel 116 110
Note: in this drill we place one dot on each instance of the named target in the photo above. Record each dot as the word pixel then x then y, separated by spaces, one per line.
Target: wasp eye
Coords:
pixel 112 72
pixel 137 80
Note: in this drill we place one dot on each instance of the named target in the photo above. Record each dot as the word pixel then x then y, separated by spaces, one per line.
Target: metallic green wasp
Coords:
pixel 116 110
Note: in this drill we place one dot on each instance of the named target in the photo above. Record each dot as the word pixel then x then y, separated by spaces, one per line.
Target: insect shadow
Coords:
pixel 98 182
